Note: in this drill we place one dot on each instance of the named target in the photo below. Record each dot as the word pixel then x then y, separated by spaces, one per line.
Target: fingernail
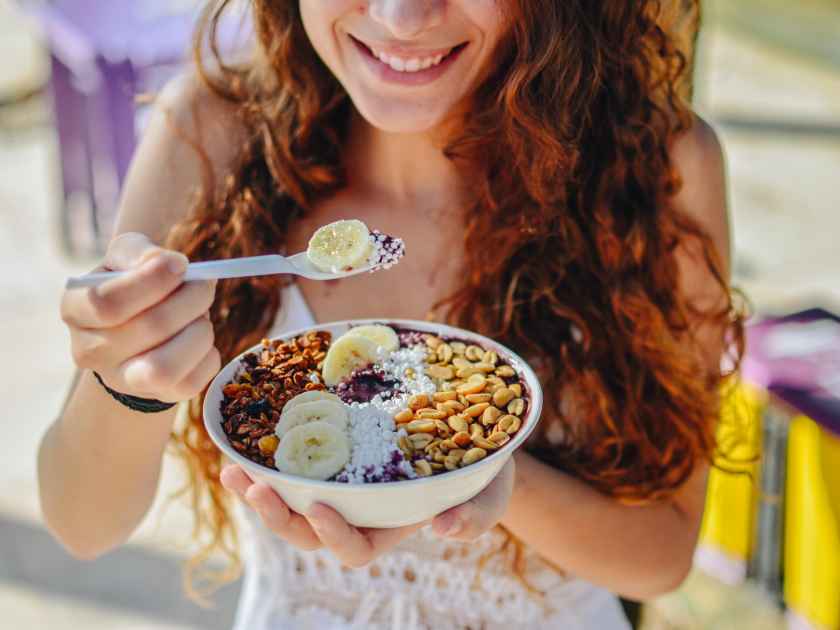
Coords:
pixel 177 264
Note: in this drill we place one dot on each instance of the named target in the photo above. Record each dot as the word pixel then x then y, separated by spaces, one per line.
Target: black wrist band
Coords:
pixel 144 405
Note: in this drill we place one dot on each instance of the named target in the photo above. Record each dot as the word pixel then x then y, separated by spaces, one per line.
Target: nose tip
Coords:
pixel 407 18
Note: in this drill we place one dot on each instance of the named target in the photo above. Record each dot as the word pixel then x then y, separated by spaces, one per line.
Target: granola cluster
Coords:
pixel 267 381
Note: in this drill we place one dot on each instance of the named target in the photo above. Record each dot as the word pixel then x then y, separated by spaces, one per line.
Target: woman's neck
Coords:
pixel 401 170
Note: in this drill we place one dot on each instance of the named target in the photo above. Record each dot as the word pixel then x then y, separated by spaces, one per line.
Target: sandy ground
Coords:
pixel 778 116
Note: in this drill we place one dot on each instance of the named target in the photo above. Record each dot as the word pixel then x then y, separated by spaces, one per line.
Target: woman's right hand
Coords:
pixel 146 333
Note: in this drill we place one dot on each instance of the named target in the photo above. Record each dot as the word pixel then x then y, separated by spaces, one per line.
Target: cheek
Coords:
pixel 488 16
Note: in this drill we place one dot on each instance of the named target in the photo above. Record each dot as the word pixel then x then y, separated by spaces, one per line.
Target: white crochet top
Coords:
pixel 425 583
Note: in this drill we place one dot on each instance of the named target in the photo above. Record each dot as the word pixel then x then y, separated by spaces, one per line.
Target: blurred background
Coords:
pixel 767 77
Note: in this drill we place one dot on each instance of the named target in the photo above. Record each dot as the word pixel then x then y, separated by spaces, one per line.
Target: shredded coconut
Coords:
pixel 395 366
pixel 386 250
pixel 376 455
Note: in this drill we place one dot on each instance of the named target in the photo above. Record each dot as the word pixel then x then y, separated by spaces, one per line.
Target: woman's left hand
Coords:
pixel 355 547
pixel 480 514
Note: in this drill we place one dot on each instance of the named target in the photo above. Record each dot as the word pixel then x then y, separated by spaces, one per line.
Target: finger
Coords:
pixel 195 382
pixel 346 542
pixel 128 250
pixel 235 479
pixel 116 301
pixel 149 329
pixel 160 369
pixel 470 520
pixel 384 540
pixel 277 516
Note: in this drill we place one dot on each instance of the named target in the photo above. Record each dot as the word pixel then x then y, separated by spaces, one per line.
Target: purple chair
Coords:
pixel 796 360
pixel 103 55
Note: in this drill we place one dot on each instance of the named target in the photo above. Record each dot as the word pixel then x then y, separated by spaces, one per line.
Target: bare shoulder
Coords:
pixel 192 133
pixel 699 158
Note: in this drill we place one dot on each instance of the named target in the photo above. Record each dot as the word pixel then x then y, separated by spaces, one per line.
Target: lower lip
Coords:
pixel 421 77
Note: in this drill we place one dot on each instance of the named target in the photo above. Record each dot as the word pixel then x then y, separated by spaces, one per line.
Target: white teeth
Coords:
pixel 414 64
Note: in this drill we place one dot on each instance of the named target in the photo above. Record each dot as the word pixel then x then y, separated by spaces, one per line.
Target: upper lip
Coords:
pixel 405 52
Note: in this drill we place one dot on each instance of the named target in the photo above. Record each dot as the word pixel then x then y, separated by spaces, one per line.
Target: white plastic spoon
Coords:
pixel 298 265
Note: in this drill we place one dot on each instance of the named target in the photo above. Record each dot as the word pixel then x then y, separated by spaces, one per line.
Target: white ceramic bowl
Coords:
pixel 389 504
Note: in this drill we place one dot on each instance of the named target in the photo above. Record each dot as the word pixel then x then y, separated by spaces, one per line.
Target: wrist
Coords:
pixel 135 403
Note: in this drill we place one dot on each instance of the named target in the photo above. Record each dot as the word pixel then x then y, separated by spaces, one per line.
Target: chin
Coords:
pixel 406 119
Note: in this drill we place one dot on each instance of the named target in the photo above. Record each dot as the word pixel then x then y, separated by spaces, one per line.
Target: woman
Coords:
pixel 554 192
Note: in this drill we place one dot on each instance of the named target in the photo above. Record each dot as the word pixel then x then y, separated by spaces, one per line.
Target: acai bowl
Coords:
pixel 389 422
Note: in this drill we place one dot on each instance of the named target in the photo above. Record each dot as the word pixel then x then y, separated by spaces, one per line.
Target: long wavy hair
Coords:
pixel 568 144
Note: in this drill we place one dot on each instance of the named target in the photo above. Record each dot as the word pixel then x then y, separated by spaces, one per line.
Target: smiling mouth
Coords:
pixel 409 64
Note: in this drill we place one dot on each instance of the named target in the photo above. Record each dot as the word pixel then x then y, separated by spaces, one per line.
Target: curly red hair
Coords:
pixel 568 144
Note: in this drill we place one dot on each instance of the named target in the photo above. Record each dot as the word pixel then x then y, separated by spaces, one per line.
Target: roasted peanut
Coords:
pixel 502 397
pixel 509 424
pixel 499 437
pixel 474 353
pixel 423 468
pixel 458 423
pixel 443 429
pixel 462 439
pixel 473 455
pixel 421 426
pixel 472 386
pixel 419 441
pixel 418 401
pixel 431 414
pixel 440 372
pixel 516 407
pixel 444 353
pixel 487 445
pixel 474 411
pixel 445 396
pixel 490 415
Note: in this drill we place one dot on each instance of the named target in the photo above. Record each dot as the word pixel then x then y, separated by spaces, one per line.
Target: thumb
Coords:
pixel 131 249
pixel 468 521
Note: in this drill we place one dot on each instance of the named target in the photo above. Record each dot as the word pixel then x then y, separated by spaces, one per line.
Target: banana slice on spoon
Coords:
pixel 340 246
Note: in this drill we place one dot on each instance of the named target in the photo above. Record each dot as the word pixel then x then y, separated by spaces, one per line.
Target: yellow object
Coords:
pixel 729 519
pixel 812 524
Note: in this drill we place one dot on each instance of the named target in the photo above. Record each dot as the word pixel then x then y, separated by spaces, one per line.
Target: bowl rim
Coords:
pixel 532 416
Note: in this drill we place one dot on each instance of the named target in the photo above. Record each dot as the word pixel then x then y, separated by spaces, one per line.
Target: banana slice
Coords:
pixel 383 336
pixel 340 246
pixel 316 411
pixel 308 397
pixel 317 450
pixel 347 353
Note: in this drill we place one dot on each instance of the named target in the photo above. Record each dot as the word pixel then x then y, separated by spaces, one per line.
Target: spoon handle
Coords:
pixel 209 270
